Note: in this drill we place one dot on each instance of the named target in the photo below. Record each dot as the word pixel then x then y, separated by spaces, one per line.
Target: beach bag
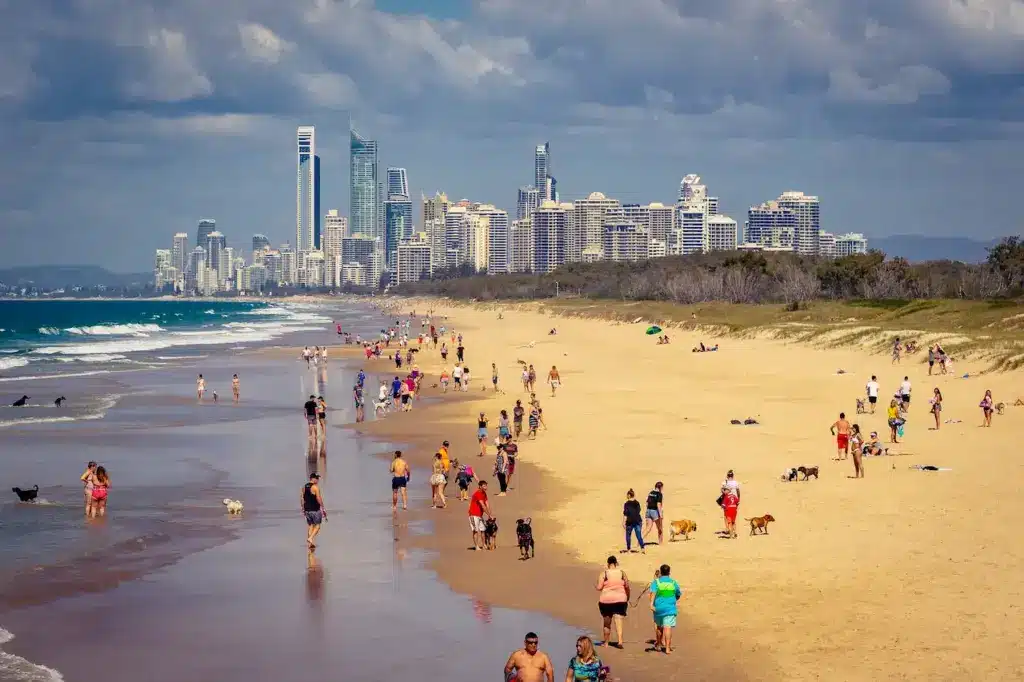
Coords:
pixel 899 430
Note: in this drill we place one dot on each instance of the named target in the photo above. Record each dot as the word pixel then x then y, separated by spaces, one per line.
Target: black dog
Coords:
pixel 26 495
pixel 524 532
pixel 20 402
pixel 59 401
pixel 491 533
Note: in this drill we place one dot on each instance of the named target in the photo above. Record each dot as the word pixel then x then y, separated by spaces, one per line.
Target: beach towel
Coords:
pixel 929 467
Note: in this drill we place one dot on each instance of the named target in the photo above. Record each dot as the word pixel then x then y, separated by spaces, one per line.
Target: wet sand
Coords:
pixel 903 575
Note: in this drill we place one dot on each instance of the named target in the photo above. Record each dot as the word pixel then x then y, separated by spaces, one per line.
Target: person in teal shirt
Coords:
pixel 665 595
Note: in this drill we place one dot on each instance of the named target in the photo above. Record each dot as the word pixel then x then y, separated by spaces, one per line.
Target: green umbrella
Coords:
pixel 653 329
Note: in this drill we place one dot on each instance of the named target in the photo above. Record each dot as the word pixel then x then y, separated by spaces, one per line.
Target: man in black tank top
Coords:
pixel 313 508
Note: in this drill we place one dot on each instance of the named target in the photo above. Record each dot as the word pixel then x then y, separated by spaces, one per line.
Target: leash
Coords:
pixel 636 601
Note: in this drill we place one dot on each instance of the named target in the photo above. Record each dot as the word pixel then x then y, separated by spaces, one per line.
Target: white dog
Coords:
pixel 234 506
pixel 381 406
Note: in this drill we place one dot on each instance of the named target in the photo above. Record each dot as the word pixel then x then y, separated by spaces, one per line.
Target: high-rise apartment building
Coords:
pixel 850 244
pixel 260 243
pixel 499 254
pixel 454 222
pixel 307 195
pixel 691 233
pixel 542 169
pixel 398 183
pixel 656 218
pixel 397 226
pixel 216 242
pixel 527 202
pixel 335 229
pixel 723 233
pixel 179 252
pixel 206 226
pixel 413 261
pixel 826 244
pixel 435 207
pixel 807 211
pixel 365 204
pixel 586 234
pixel 551 224
pixel 521 244
pixel 161 268
pixel 770 225
pixel 624 241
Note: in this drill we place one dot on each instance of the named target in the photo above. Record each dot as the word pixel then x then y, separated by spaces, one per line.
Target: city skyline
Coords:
pixel 145 118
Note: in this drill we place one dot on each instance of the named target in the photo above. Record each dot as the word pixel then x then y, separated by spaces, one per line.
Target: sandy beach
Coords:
pixel 904 574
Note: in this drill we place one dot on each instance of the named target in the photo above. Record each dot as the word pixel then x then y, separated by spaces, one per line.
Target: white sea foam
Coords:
pixel 11 363
pixel 17 668
pixel 116 330
pixel 40 377
pixel 181 357
pixel 99 357
pixel 49 331
pixel 99 412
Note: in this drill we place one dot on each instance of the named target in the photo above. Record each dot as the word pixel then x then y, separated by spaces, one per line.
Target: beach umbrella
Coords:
pixel 653 329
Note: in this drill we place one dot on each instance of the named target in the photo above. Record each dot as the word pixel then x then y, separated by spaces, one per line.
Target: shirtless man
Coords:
pixel 529 664
pixel 399 481
pixel 841 430
pixel 236 389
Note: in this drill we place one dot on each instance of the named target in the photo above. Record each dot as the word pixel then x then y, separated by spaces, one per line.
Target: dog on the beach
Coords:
pixel 26 495
pixel 381 406
pixel 20 402
pixel 790 474
pixel 760 523
pixel 234 506
pixel 808 472
pixel 861 409
pixel 682 527
pixel 59 402
pixel 1000 407
pixel 524 533
pixel 491 533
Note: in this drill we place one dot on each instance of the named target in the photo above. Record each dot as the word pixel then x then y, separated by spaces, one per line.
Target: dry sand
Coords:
pixel 902 575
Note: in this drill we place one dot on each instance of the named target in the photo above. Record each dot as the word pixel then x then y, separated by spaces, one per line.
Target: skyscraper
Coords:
pixel 179 252
pixel 363 189
pixel 551 223
pixel 260 243
pixel 527 202
pixel 542 178
pixel 807 211
pixel 398 183
pixel 307 195
pixel 397 227
pixel 206 226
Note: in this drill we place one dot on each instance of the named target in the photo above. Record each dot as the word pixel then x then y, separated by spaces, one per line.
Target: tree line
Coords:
pixel 749 277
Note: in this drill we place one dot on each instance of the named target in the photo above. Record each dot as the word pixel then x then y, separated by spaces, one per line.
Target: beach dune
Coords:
pixel 904 574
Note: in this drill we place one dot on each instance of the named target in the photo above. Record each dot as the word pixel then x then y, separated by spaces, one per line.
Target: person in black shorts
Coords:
pixel 399 481
pixel 313 509
pixel 460 352
pixel 311 419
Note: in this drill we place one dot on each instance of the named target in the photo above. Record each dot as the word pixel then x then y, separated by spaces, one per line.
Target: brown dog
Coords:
pixel 807 472
pixel 683 527
pixel 760 523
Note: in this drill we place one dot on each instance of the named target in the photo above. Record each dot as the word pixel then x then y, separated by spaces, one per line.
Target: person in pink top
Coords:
pixel 614 600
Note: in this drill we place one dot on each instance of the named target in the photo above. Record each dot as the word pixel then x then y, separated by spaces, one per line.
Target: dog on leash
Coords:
pixel 59 402
pixel 491 533
pixel 760 523
pixel 234 506
pixel 682 527
pixel 26 495
pixel 807 472
pixel 861 409
pixel 524 534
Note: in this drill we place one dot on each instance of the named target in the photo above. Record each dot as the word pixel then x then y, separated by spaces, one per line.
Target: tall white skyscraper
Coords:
pixel 179 252
pixel 542 178
pixel 586 236
pixel 307 194
pixel 807 211
pixel 398 183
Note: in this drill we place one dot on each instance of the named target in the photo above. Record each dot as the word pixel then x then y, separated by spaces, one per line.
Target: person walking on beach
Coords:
pixel 872 390
pixel 529 664
pixel 632 518
pixel 200 388
pixel 613 603
pixel 554 380
pixel 478 508
pixel 460 352
pixel 446 462
pixel 494 376
pixel 321 417
pixel 444 352
pixel 531 378
pixel 236 390
pixel 400 475
pixel 503 426
pixel 100 488
pixel 526 379
pixel 437 482
pixel 87 478
pixel 730 502
pixel 894 420
pixel 518 412
pixel 987 406
pixel 312 503
pixel 481 433
pixel 501 470
pixel 655 511
pixel 511 452
pixel 841 430
pixel 665 595
pixel 457 376
pixel 585 666
pixel 936 402
pixel 360 402
pixel 465 378
pixel 396 392
pixel 310 408
pixel 931 359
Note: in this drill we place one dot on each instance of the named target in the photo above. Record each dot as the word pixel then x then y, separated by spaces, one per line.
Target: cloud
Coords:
pixel 907 86
pixel 329 90
pixel 261 44
pixel 172 75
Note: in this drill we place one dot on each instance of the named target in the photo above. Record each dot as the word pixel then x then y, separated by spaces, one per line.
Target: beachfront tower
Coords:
pixel 363 187
pixel 206 226
pixel 398 183
pixel 542 179
pixel 307 192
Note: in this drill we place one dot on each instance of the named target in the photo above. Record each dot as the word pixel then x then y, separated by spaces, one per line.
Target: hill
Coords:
pixel 67 276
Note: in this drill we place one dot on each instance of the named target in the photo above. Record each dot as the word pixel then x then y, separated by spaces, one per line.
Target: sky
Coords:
pixel 125 121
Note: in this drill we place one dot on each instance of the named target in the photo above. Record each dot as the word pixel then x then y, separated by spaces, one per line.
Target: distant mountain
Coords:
pixel 918 247
pixel 58 276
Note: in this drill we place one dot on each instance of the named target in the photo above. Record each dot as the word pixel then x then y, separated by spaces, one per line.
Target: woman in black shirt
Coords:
pixel 632 521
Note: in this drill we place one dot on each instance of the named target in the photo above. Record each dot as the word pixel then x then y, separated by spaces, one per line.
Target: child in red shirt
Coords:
pixel 731 505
